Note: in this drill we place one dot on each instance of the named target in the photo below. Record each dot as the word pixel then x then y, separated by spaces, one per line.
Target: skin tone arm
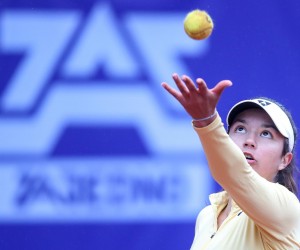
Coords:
pixel 199 102
pixel 197 99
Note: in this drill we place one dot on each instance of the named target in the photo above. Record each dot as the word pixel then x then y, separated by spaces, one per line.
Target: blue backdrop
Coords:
pixel 94 154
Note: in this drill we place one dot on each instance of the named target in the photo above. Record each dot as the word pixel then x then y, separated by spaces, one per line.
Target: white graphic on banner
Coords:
pixel 62 52
pixel 101 190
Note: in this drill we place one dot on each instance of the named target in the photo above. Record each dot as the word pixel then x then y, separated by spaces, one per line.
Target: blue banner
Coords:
pixel 94 154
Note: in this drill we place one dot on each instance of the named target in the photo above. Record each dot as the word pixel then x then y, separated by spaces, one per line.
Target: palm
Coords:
pixel 197 100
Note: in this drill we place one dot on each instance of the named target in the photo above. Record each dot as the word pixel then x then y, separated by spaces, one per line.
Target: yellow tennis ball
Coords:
pixel 198 24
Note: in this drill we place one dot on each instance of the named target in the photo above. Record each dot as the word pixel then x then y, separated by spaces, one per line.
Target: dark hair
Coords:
pixel 287 176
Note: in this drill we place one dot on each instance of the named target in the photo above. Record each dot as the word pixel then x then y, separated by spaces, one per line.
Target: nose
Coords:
pixel 250 142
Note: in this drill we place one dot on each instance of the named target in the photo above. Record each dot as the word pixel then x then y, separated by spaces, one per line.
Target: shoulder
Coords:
pixel 205 218
pixel 286 195
pixel 205 213
pixel 289 203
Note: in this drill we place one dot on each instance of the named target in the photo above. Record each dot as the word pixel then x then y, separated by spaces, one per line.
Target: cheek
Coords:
pixel 271 150
pixel 269 160
pixel 237 139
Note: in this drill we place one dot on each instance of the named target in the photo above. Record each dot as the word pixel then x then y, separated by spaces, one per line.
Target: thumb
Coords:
pixel 221 86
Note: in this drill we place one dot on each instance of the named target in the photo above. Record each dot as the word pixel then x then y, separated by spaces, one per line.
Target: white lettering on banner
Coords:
pixel 119 190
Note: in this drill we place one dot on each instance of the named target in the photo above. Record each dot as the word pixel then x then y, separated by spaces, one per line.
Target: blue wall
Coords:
pixel 94 154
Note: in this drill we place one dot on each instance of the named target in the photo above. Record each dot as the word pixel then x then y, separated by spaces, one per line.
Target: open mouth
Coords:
pixel 249 156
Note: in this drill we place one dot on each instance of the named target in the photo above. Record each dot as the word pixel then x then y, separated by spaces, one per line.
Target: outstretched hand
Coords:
pixel 198 100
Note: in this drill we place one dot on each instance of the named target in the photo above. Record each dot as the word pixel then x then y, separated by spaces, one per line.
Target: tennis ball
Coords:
pixel 198 24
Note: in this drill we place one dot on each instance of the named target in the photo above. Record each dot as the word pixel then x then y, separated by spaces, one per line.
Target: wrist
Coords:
pixel 205 121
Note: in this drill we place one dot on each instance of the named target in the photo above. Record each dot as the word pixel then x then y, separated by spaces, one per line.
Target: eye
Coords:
pixel 266 134
pixel 240 129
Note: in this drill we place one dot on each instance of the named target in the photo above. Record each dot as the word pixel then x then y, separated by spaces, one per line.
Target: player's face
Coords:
pixel 256 135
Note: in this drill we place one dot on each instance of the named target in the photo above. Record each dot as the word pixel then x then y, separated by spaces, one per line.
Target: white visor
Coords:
pixel 278 116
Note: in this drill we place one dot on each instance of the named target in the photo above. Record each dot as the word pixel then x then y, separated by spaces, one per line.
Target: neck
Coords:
pixel 228 206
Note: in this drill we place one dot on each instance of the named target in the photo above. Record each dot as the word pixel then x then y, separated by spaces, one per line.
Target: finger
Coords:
pixel 221 86
pixel 172 91
pixel 189 84
pixel 202 87
pixel 182 88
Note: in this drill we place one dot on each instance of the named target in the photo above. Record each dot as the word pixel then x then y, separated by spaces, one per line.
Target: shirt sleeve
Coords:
pixel 272 206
